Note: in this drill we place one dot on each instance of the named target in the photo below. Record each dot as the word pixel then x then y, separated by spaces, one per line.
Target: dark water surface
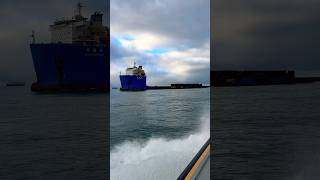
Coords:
pixel 266 132
pixel 156 113
pixel 52 136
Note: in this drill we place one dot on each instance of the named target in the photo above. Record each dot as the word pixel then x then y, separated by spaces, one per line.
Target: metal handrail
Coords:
pixel 193 161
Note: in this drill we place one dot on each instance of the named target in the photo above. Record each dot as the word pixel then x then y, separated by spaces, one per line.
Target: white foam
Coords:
pixel 157 158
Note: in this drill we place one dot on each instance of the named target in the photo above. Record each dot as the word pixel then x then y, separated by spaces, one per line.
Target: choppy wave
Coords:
pixel 157 158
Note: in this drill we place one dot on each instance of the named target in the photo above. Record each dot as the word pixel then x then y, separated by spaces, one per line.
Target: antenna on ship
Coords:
pixel 134 63
pixel 33 37
pixel 79 6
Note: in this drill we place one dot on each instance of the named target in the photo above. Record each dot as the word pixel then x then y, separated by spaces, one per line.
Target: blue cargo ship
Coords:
pixel 135 79
pixel 77 58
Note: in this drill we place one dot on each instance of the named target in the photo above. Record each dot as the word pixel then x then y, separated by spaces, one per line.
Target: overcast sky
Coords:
pixel 20 17
pixel 169 38
pixel 266 34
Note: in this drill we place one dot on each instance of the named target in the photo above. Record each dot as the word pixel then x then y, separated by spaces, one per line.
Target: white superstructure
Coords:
pixel 138 71
pixel 79 29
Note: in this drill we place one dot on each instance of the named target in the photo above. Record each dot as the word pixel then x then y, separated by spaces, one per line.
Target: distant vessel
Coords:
pixel 15 84
pixel 135 79
pixel 77 57
pixel 251 78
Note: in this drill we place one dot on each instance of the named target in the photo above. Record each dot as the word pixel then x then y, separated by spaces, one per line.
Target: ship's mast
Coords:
pixel 79 6
pixel 78 11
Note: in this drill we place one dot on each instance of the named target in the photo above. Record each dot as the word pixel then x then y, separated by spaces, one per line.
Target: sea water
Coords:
pixel 156 133
pixel 53 135
pixel 266 132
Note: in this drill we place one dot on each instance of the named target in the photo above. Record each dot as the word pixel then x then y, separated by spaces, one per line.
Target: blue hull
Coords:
pixel 71 66
pixel 133 83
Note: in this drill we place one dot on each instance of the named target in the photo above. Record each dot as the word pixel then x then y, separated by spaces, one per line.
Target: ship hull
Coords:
pixel 70 67
pixel 133 83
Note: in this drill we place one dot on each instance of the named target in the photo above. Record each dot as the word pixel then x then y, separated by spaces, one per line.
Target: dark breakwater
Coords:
pixel 254 78
pixel 178 86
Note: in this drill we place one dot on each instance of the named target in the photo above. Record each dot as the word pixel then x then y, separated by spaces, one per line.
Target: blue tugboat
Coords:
pixel 77 58
pixel 135 79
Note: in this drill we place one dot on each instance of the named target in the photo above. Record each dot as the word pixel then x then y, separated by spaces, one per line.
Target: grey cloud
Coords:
pixel 266 35
pixel 183 21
